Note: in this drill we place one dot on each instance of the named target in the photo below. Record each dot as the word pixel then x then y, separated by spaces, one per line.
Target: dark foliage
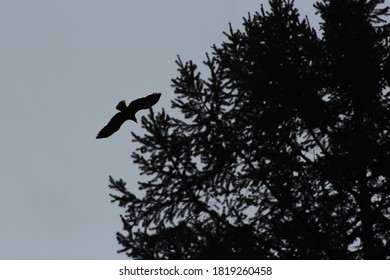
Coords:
pixel 284 151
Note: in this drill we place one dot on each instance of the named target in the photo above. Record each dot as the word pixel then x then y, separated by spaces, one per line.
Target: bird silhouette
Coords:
pixel 127 113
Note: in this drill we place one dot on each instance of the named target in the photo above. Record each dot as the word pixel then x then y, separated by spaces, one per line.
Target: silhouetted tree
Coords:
pixel 284 150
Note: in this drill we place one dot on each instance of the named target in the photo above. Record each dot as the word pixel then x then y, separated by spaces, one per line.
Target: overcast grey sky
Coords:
pixel 64 65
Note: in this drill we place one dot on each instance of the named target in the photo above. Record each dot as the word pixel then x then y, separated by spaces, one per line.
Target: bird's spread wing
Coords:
pixel 113 125
pixel 144 103
pixel 127 113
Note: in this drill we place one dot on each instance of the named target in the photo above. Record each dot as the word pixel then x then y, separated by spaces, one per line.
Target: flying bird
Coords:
pixel 127 113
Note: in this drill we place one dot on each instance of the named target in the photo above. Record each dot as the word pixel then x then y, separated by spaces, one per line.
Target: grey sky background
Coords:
pixel 64 65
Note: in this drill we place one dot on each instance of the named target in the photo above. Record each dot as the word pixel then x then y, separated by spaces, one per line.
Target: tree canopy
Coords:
pixel 283 151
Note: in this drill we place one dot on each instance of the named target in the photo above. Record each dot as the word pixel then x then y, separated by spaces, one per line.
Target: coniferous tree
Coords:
pixel 284 150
